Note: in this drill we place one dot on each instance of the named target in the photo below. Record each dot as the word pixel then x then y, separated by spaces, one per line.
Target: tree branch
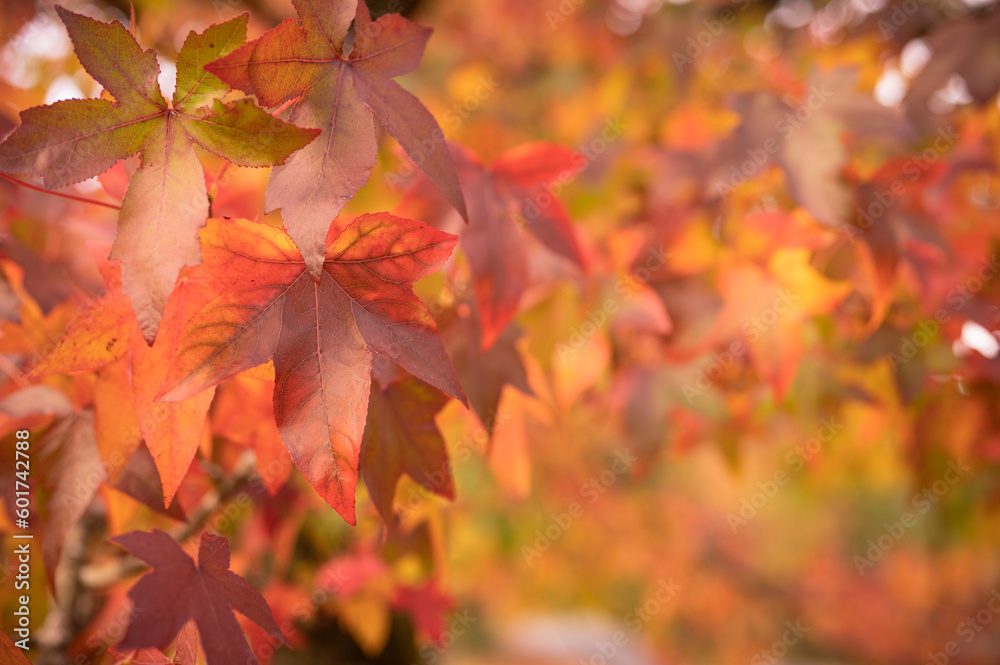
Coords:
pixel 95 577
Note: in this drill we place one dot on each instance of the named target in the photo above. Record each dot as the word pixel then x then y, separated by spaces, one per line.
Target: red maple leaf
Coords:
pixel 320 332
pixel 511 195
pixel 179 590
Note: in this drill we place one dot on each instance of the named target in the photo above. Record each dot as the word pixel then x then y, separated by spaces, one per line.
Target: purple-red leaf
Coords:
pixel 511 195
pixel 178 590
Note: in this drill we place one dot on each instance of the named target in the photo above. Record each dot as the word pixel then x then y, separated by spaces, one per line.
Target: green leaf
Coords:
pixel 245 134
pixel 74 140
pixel 109 53
pixel 196 87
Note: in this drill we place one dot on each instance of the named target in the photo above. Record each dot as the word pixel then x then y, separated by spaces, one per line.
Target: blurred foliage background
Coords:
pixel 764 422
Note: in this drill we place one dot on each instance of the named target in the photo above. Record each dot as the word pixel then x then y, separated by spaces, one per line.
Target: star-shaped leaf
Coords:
pixel 402 437
pixel 511 195
pixel 340 91
pixel 178 590
pixel 320 332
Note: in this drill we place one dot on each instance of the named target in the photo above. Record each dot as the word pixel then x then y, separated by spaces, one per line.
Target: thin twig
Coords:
pixel 81 199
pixel 73 611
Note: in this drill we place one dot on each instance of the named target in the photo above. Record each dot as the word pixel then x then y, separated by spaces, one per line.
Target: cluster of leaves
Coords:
pixel 761 256
pixel 317 309
pixel 191 304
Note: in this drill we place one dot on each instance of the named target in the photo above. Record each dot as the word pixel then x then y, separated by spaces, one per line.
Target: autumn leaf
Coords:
pixel 100 335
pixel 186 652
pixel 166 201
pixel 808 141
pixel 511 195
pixel 12 654
pixel 115 424
pixel 247 394
pixel 340 91
pixel 70 474
pixel 187 645
pixel 144 657
pixel 402 437
pixel 107 331
pixel 178 590
pixel 140 480
pixel 172 431
pixel 483 372
pixel 320 332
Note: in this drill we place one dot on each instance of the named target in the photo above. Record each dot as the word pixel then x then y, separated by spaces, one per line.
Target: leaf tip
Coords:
pixel 348 513
pixel 314 267
pixel 458 392
pixel 463 211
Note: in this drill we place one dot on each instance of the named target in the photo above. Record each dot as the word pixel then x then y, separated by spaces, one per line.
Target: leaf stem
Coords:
pixel 81 199
pixel 278 111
